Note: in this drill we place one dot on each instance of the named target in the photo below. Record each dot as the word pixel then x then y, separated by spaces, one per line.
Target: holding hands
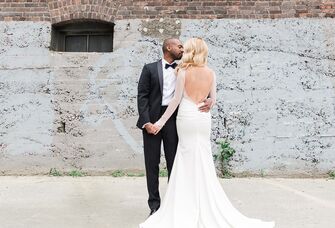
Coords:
pixel 157 128
pixel 153 128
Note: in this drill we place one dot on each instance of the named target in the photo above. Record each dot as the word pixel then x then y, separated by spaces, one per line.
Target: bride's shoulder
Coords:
pixel 209 69
pixel 180 71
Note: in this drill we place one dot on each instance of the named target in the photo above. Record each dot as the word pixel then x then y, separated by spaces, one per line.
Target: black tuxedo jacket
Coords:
pixel 150 93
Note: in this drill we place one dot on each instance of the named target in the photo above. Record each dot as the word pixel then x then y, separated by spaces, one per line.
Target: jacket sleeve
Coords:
pixel 143 92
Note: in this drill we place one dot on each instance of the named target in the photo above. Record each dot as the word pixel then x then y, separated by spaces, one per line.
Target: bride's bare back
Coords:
pixel 193 83
pixel 198 83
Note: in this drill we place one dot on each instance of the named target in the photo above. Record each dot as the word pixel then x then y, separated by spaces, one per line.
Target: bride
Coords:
pixel 194 197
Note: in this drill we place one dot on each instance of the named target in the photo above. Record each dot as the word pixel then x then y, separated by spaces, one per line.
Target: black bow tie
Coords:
pixel 173 65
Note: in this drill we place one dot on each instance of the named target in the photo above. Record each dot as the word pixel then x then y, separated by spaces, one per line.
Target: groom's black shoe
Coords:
pixel 152 211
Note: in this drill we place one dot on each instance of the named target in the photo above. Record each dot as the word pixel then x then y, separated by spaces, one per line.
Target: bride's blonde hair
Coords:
pixel 195 53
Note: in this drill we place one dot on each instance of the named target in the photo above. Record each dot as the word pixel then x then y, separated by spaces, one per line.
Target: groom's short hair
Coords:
pixel 166 43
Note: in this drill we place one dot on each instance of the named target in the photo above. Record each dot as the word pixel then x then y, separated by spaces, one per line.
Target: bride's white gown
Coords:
pixel 194 197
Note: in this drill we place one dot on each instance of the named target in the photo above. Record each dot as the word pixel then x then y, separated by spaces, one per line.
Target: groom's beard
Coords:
pixel 177 56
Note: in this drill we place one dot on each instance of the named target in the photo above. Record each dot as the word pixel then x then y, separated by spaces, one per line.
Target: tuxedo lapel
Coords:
pixel 160 74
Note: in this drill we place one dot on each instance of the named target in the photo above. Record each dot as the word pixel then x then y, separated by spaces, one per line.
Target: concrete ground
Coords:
pixel 101 202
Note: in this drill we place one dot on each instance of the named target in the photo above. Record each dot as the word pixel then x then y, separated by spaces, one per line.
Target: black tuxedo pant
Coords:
pixel 152 154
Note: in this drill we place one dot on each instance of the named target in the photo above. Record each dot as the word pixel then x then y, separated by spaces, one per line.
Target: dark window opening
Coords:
pixel 83 36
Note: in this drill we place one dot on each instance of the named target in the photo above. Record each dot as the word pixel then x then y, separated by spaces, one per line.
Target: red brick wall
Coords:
pixel 109 10
pixel 22 10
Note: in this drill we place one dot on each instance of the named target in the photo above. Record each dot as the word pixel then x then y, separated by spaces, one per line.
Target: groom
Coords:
pixel 155 90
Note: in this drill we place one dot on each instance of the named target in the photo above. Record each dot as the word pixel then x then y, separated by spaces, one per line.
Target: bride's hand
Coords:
pixel 156 128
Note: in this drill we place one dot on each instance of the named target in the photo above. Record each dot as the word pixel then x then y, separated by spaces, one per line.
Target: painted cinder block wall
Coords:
pixel 275 62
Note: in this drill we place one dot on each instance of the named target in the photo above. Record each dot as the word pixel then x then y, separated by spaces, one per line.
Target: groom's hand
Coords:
pixel 207 104
pixel 149 127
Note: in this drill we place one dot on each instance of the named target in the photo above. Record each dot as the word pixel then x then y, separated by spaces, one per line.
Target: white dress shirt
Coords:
pixel 169 83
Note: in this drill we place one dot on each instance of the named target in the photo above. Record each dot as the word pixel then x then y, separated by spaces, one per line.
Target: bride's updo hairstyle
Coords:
pixel 195 53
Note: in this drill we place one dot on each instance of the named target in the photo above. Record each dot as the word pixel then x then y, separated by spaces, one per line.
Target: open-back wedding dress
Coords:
pixel 194 197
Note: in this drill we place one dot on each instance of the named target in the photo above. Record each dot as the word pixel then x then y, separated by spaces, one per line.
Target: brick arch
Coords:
pixel 68 10
pixel 80 20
